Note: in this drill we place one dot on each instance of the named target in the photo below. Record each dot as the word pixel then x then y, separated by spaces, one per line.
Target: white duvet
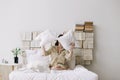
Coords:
pixel 79 73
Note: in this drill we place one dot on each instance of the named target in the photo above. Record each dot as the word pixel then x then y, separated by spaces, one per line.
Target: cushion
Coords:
pixel 67 39
pixel 46 37
pixel 36 61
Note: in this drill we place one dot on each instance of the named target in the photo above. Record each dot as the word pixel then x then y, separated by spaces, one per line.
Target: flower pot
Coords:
pixel 16 59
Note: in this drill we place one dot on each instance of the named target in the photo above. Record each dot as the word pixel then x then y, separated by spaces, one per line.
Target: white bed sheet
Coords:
pixel 79 73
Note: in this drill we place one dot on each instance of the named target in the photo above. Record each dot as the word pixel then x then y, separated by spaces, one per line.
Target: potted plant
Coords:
pixel 15 52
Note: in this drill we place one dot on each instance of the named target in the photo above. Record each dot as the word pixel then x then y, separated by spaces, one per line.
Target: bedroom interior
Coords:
pixel 22 16
pixel 83 52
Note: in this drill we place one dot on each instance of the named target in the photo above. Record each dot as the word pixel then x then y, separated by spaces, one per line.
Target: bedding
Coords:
pixel 79 73
pixel 36 61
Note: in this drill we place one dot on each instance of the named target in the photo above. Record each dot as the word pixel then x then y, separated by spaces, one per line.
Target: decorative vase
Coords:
pixel 16 59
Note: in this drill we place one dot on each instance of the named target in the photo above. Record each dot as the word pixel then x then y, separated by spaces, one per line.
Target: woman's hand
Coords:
pixel 72 45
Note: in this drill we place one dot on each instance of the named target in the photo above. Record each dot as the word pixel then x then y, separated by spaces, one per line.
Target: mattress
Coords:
pixel 79 73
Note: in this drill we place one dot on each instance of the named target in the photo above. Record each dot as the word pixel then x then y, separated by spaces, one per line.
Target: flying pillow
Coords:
pixel 67 39
pixel 46 37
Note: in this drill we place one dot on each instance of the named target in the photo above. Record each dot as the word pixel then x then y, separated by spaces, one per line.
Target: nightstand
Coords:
pixel 6 68
pixel 13 65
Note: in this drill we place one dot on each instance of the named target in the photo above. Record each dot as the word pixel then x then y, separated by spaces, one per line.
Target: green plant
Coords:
pixel 16 51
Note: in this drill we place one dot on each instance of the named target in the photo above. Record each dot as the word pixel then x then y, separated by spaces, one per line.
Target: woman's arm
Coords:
pixel 70 54
pixel 71 48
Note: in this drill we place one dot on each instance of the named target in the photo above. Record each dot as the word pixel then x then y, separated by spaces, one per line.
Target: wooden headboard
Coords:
pixel 84 43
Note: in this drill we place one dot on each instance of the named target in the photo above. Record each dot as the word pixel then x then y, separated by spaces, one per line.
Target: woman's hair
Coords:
pixel 57 42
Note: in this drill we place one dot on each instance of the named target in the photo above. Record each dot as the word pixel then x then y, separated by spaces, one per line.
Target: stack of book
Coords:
pixel 88 27
pixel 79 27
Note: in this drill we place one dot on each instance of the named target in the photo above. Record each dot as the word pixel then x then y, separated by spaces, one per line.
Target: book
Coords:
pixel 79 27
pixel 90 23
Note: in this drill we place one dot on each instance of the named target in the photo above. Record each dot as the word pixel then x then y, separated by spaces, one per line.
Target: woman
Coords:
pixel 59 56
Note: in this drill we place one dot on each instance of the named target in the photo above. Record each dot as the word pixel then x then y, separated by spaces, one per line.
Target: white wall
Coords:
pixel 17 16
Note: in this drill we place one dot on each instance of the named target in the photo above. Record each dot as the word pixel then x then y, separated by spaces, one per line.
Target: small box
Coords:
pixel 90 45
pixel 26 36
pixel 78 52
pixel 35 44
pixel 35 34
pixel 89 35
pixel 78 44
pixel 26 43
pixel 89 39
pixel 88 54
pixel 79 35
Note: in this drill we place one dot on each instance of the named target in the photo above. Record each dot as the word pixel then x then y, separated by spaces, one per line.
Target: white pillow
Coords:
pixel 36 61
pixel 66 39
pixel 46 37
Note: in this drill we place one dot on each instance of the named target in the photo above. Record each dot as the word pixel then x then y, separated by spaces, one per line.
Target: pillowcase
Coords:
pixel 46 37
pixel 67 39
pixel 36 61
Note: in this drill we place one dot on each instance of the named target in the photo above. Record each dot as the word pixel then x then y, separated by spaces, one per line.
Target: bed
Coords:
pixel 79 73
